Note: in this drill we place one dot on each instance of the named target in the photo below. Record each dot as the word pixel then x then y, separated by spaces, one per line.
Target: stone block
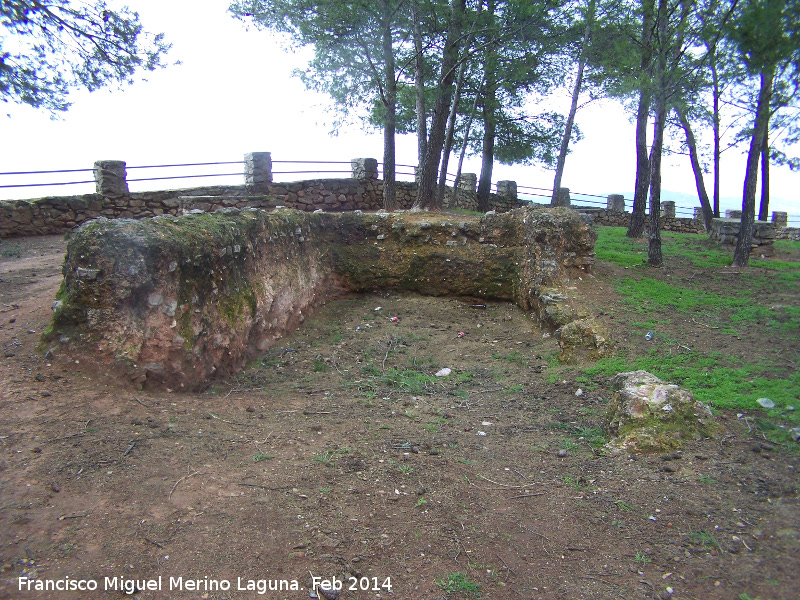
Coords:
pixel 507 189
pixel 364 168
pixel 468 182
pixel 110 178
pixel 733 214
pixel 780 219
pixel 561 197
pixel 258 171
pixel 668 209
pixel 615 203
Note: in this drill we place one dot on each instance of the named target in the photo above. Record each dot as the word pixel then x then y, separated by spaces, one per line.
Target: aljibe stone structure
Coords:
pixel 176 301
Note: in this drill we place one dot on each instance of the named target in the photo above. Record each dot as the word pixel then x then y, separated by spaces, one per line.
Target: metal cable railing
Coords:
pixel 326 167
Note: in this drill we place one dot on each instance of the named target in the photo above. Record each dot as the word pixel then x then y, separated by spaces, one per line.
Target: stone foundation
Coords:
pixel 176 301
pixel 726 232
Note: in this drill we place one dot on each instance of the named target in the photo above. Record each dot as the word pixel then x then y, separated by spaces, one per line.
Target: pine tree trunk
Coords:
pixel 419 85
pixel 636 227
pixel 741 254
pixel 426 198
pixel 448 141
pixel 467 130
pixel 708 213
pixel 654 256
pixel 576 92
pixel 717 152
pixel 390 120
pixel 763 208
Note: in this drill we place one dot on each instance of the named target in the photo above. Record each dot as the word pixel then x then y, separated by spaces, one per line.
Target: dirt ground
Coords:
pixel 340 454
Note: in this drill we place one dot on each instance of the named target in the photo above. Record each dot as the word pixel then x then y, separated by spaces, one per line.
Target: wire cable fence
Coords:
pixel 223 173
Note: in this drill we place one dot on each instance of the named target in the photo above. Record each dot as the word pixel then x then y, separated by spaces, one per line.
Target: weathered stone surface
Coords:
pixel 649 415
pixel 110 178
pixel 726 231
pixel 229 284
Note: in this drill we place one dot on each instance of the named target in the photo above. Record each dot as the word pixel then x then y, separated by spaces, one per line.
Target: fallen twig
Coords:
pixel 526 496
pixel 140 402
pixel 64 517
pixel 181 479
pixel 129 448
pixel 501 484
pixel 66 437
pixel 509 569
pixel 213 416
pixel 152 542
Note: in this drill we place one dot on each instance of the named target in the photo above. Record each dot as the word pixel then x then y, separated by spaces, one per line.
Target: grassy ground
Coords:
pixel 701 292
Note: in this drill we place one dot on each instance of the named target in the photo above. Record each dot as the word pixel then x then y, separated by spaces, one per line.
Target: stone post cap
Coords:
pixel 733 214
pixel 258 170
pixel 467 182
pixel 507 188
pixel 561 197
pixel 364 168
pixel 110 178
pixel 615 203
pixel 780 219
pixel 668 209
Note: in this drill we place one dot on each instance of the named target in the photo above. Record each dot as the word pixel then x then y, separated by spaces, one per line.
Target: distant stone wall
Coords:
pixel 602 216
pixel 61 214
pixel 726 231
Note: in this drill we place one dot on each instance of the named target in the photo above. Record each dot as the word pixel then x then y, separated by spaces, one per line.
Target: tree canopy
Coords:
pixel 51 47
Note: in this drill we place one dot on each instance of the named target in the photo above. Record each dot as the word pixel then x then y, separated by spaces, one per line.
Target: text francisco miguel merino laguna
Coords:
pixel 131 586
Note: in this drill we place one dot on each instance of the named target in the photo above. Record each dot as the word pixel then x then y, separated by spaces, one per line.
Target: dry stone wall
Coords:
pixel 61 214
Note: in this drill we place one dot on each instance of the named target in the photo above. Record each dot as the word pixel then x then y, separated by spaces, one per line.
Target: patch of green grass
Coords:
pixel 642 558
pixel 700 250
pixel 320 366
pixel 458 583
pixel 405 469
pixel 707 479
pixel 327 458
pixel 622 505
pixel 715 379
pixel 421 502
pixel 614 246
pixel 706 540
pixel 512 357
pixel 259 457
pixel 576 483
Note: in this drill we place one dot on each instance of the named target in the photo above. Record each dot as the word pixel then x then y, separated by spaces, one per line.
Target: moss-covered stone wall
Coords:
pixel 177 301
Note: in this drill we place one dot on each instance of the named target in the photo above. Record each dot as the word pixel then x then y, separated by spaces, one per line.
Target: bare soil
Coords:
pixel 339 454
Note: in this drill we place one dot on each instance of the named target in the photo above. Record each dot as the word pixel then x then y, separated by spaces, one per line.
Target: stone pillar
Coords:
pixel 258 170
pixel 507 189
pixel 780 219
pixel 668 209
pixel 733 214
pixel 615 203
pixel 562 197
pixel 698 213
pixel 364 168
pixel 110 178
pixel 468 182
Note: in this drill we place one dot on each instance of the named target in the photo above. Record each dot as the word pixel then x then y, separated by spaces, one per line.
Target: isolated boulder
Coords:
pixel 648 415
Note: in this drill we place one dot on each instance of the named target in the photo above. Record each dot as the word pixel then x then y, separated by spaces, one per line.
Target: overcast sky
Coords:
pixel 234 93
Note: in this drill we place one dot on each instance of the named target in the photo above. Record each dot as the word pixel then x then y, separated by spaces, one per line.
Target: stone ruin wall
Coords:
pixel 177 301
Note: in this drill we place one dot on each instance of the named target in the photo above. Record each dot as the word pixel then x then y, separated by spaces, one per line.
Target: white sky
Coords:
pixel 234 93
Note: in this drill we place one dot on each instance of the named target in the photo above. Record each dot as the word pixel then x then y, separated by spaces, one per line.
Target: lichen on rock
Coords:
pixel 648 415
